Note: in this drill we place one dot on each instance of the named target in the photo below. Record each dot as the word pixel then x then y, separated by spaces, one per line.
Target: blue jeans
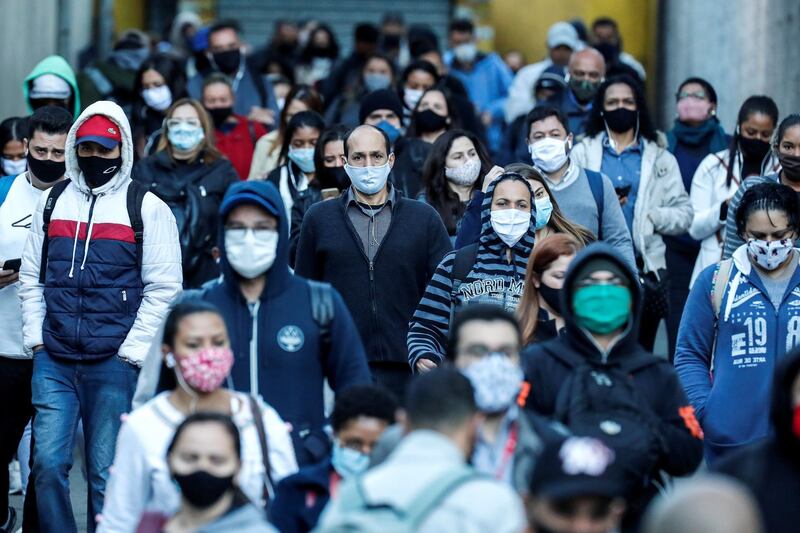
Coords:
pixel 64 391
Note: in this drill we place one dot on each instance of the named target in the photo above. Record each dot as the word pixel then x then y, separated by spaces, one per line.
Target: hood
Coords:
pixel 54 65
pixel 246 519
pixel 115 113
pixel 576 335
pixel 490 239
pixel 278 276
pixel 782 412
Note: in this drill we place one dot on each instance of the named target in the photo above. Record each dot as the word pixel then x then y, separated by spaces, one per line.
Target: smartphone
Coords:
pixel 328 194
pixel 12 264
pixel 623 190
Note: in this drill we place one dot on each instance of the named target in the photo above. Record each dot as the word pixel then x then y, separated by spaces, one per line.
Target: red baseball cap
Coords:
pixel 101 130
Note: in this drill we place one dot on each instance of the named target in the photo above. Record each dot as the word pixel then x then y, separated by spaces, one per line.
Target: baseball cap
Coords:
pixel 553 77
pixel 50 86
pixel 99 129
pixel 247 197
pixel 576 467
pixel 562 34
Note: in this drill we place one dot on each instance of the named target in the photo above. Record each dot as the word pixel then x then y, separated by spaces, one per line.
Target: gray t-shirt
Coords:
pixel 776 287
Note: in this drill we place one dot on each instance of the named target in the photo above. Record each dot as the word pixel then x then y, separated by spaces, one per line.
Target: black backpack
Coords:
pixel 135 197
pixel 601 401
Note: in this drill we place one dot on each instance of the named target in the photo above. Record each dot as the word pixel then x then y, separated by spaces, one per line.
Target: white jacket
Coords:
pixel 520 98
pixel 161 272
pixel 140 479
pixel 662 204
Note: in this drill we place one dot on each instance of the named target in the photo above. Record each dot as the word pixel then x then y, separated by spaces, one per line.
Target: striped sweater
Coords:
pixel 492 279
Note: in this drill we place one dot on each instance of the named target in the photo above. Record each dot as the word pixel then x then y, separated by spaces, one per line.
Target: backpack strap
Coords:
pixel 5 185
pixel 251 129
pixel 323 312
pixel 596 185
pixel 134 200
pixel 258 420
pixel 47 214
pixel 721 277
pixel 433 494
pixel 463 262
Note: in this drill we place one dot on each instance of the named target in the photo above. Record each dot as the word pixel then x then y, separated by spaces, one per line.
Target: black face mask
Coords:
pixel 551 296
pixel 609 51
pixel 202 489
pixel 219 115
pixel 45 170
pixel 97 171
pixel 754 149
pixel 791 166
pixel 621 119
pixel 228 61
pixel 429 121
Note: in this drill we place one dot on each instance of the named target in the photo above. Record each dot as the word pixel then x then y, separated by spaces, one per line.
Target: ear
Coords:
pixel 535 280
pixel 391 160
pixel 25 145
pixel 344 160
pixel 570 139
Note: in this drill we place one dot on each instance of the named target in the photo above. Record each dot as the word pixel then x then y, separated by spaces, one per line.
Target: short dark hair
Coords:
pixel 707 87
pixel 205 417
pixel 605 21
pixel 226 24
pixel 461 26
pixel 366 32
pixel 386 140
pixel 370 401
pixel 766 197
pixel 214 78
pixel 789 122
pixel 475 312
pixel 442 400
pixel 541 112
pixel 181 310
pixel 53 120
pixel 422 65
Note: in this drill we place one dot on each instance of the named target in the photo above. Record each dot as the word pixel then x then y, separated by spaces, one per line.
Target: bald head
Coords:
pixel 709 504
pixel 587 64
pixel 367 146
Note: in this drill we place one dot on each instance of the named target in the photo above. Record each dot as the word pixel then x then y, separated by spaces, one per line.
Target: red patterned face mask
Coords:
pixel 205 370
pixel 796 422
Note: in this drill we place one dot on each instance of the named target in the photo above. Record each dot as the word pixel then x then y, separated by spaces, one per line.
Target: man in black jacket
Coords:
pixel 378 249
pixel 634 395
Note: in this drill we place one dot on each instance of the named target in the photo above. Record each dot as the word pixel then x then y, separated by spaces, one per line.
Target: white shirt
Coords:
pixel 140 479
pixel 15 222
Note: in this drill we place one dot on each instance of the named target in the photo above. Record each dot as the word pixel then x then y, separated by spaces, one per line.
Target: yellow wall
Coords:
pixel 128 14
pixel 523 24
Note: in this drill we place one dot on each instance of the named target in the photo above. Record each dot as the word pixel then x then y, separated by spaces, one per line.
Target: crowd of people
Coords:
pixel 412 288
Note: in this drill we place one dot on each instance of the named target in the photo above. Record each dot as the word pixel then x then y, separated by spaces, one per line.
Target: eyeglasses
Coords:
pixel 699 95
pixel 615 282
pixel 241 233
pixel 178 122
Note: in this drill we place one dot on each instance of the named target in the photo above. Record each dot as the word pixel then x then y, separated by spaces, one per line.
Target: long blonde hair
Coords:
pixel 207 147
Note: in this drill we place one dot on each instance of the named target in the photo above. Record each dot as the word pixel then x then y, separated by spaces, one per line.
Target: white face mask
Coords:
pixel 466 174
pixel 466 53
pixel 769 255
pixel 14 167
pixel 159 98
pixel 510 224
pixel 411 97
pixel 549 154
pixel 368 180
pixel 251 253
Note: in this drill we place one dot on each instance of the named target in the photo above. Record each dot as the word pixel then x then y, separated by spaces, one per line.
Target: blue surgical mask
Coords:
pixel 185 137
pixel 348 462
pixel 544 208
pixel 303 158
pixel 389 130
pixel 375 81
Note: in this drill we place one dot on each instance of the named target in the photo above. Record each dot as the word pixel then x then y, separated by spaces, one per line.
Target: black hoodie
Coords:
pixel 547 366
pixel 771 469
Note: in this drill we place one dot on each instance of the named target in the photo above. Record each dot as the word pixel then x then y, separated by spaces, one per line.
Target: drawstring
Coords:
pixel 86 245
pixel 732 294
pixel 75 242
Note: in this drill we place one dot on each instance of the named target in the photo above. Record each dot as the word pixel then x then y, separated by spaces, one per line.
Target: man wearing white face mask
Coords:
pixel 283 348
pixel 584 196
pixel 378 249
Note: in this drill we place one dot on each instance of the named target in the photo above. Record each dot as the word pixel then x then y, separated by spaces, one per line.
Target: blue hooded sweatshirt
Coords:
pixel 492 279
pixel 276 342
pixel 727 367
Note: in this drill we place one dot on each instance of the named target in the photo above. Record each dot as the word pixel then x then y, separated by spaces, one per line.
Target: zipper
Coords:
pixel 80 273
pixel 254 349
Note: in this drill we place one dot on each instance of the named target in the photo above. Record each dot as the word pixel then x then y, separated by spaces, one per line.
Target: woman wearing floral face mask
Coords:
pixel 740 320
pixel 197 360
pixel 450 175
pixel 190 175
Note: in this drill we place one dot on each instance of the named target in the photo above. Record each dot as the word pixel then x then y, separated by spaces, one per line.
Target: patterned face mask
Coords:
pixel 205 370
pixel 769 255
pixel 496 381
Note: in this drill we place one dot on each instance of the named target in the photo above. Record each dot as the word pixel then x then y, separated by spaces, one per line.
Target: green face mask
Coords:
pixel 602 308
